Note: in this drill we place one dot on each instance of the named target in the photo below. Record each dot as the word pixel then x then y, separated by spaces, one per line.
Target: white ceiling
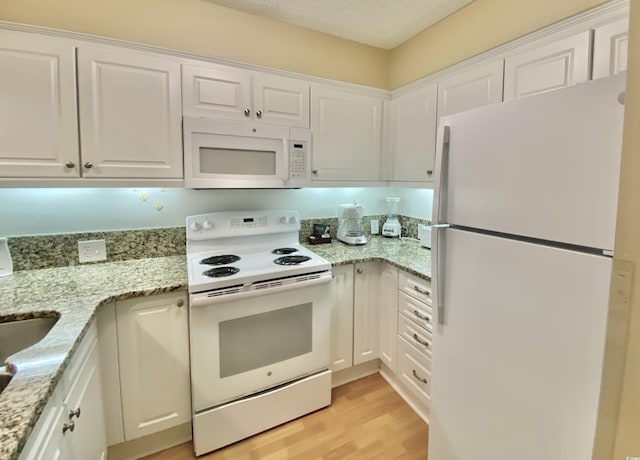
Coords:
pixel 380 23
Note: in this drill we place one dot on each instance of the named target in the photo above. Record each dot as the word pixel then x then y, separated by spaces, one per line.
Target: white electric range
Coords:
pixel 259 324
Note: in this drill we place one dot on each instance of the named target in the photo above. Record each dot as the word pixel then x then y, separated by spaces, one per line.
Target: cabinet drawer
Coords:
pixel 416 336
pixel 416 287
pixel 413 370
pixel 416 311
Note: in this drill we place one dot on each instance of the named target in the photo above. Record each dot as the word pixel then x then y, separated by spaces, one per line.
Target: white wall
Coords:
pixel 47 211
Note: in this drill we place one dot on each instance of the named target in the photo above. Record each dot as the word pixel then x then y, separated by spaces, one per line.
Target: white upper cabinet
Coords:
pixel 610 43
pixel 130 113
pixel 544 68
pixel 281 100
pixel 413 134
pixel 347 134
pixel 216 91
pixel 39 134
pixel 470 88
pixel 235 94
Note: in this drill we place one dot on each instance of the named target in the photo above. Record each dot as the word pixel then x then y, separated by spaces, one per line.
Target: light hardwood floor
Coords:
pixel 366 420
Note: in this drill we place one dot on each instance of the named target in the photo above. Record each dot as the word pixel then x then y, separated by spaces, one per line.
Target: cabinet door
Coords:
pixel 216 91
pixel 342 318
pixel 388 314
pixel 39 134
pixel 110 373
pixel 548 67
pixel 347 132
pixel 365 312
pixel 46 440
pixel 153 351
pixel 84 409
pixel 130 113
pixel 610 45
pixel 413 133
pixel 281 100
pixel 475 87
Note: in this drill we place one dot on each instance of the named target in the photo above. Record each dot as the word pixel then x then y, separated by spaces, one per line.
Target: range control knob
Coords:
pixel 207 225
pixel 284 220
pixel 292 220
pixel 195 226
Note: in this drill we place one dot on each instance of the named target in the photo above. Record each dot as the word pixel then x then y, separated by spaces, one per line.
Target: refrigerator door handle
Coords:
pixel 439 205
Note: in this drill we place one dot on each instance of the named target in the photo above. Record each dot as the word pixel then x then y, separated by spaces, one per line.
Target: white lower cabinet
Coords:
pixel 342 318
pixel 72 426
pixel 148 352
pixel 366 315
pixel 355 314
pixel 414 339
pixel 388 311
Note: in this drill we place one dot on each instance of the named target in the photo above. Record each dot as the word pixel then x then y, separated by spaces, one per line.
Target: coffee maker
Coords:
pixel 350 224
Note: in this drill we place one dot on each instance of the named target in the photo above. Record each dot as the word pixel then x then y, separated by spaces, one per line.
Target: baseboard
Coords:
pixel 146 445
pixel 354 373
pixel 418 407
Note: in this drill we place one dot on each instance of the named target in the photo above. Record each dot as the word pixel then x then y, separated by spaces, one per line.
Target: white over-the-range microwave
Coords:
pixel 231 154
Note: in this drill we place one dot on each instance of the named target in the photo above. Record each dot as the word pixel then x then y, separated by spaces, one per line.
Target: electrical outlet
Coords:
pixel 92 251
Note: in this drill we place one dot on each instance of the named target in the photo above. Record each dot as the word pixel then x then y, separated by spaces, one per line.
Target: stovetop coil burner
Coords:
pixel 224 259
pixel 291 260
pixel 281 251
pixel 219 272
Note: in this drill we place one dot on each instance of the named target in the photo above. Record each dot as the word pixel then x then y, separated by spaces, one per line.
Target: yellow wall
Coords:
pixel 200 27
pixel 480 26
pixel 628 246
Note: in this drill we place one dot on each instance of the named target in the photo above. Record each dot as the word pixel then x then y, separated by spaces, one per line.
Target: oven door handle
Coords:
pixel 203 299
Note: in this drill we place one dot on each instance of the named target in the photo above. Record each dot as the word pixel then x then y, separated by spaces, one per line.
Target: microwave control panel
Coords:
pixel 298 160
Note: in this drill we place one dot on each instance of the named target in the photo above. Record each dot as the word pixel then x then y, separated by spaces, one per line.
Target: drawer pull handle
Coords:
pixel 418 378
pixel 421 316
pixel 422 291
pixel 74 413
pixel 420 341
pixel 68 427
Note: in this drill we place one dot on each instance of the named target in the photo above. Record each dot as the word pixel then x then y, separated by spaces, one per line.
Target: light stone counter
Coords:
pixel 75 293
pixel 405 253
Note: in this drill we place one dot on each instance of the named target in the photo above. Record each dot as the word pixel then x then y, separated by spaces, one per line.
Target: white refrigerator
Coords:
pixel 524 222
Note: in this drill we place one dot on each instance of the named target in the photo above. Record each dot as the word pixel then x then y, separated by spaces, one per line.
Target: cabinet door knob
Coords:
pixel 259 114
pixel 359 270
pixel 88 165
pixel 70 164
pixel 315 172
pixel 180 303
pixel 74 413
pixel 247 112
pixel 68 427
pixel 429 172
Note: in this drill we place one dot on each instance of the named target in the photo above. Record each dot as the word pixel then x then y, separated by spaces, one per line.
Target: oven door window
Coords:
pixel 259 340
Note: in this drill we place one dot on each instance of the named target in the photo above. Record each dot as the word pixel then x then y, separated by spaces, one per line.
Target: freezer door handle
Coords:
pixel 438 215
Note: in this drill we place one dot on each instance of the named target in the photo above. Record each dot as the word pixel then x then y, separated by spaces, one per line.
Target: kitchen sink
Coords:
pixel 20 334
pixel 5 378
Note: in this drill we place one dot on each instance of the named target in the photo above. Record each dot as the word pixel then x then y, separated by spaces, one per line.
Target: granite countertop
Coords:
pixel 405 253
pixel 75 293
